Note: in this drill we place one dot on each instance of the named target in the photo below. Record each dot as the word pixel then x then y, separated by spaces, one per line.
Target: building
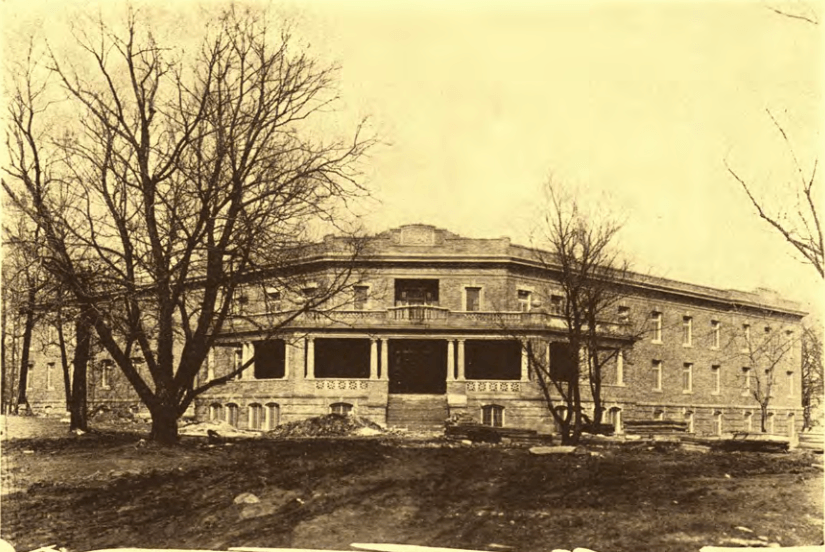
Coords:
pixel 438 325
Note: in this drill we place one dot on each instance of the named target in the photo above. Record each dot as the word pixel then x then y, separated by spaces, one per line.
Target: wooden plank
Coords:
pixel 386 547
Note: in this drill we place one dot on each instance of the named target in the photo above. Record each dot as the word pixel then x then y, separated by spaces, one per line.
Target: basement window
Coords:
pixel 492 415
pixel 341 409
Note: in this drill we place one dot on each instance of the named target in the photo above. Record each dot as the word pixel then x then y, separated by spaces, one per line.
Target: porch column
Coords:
pixel 385 359
pixel 373 359
pixel 460 360
pixel 247 354
pixel 286 359
pixel 450 360
pixel 525 362
pixel 310 341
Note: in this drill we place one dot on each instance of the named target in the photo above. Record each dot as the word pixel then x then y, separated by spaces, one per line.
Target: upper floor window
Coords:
pixel 687 331
pixel 746 336
pixel 790 384
pixel 49 370
pixel 716 372
pixel 715 334
pixel 556 304
pixel 657 375
pixel 656 322
pixel 687 378
pixel 472 301
pixel 360 296
pixel 746 380
pixel 273 298
pixel 624 314
pixel 416 292
pixel 525 300
pixel 309 291
pixel 239 303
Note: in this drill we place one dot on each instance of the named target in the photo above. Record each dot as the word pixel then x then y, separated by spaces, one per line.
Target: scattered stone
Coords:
pixel 690 447
pixel 28 451
pixel 466 442
pixel 559 449
pixel 246 498
pixel 499 546
pixel 331 425
pixel 560 550
pixel 727 476
pixel 582 550
pixel 743 528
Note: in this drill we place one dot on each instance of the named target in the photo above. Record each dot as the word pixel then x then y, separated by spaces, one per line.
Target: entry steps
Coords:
pixel 417 412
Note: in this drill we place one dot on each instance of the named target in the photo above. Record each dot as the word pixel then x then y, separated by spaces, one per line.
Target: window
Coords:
pixel 789 374
pixel 232 414
pixel 717 421
pixel 746 336
pixel 492 415
pixel 687 331
pixel 240 303
pixel 256 414
pixel 715 334
pixel 624 314
pixel 556 304
pixel 791 425
pixel 216 412
pixel 360 295
pixel 687 378
pixel 472 299
pixel 104 374
pixel 656 321
pixel 49 369
pixel 767 329
pixel 416 292
pixel 342 358
pixel 273 298
pixel 657 375
pixel 210 365
pixel 29 376
pixel 273 415
pixel 524 300
pixel 342 409
pixel 716 372
pixel 689 421
pixel 746 377
pixel 614 415
pixel 659 415
pixel 771 425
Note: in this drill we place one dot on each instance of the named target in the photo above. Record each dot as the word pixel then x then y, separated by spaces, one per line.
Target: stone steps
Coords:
pixel 417 412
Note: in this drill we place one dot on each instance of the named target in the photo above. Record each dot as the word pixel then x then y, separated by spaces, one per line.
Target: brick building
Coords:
pixel 437 327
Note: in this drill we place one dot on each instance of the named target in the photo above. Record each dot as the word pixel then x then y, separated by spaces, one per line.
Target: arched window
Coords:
pixel 658 414
pixel 771 423
pixel 232 414
pixel 689 420
pixel 341 408
pixel 615 417
pixel 273 415
pixel 216 412
pixel 562 412
pixel 492 415
pixel 791 427
pixel 256 416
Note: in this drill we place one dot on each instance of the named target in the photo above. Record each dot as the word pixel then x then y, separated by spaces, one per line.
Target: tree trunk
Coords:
pixel 164 424
pixel 83 342
pixel 764 417
pixel 64 362
pixel 28 328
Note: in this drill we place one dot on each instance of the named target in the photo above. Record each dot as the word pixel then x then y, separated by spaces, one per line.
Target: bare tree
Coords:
pixel 765 353
pixel 180 177
pixel 581 251
pixel 812 374
pixel 798 223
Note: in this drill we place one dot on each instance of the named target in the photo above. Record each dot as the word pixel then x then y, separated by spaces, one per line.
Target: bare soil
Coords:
pixel 112 490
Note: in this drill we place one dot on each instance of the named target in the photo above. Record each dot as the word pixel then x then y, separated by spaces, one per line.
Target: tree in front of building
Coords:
pixel 582 252
pixel 163 178
pixel 812 375
pixel 767 364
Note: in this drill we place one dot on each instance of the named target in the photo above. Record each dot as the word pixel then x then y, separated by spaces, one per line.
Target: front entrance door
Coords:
pixel 418 366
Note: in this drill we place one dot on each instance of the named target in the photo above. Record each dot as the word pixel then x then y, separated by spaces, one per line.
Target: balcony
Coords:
pixel 403 317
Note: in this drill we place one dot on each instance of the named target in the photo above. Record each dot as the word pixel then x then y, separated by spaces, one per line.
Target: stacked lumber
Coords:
pixel 479 433
pixel 655 427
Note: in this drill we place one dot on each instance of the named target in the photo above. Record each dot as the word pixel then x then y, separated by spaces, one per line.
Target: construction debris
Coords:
pixel 331 425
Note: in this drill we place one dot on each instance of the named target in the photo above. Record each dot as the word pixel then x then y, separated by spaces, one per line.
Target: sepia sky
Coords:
pixel 638 105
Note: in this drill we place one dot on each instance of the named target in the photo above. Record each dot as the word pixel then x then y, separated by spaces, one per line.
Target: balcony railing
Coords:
pixel 401 316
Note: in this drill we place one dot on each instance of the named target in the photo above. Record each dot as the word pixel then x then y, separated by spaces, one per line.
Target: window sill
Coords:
pixel 687 392
pixel 614 385
pixel 657 390
pixel 716 393
pixel 687 345
pixel 656 341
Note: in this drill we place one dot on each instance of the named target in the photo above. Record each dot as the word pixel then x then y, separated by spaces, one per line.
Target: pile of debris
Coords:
pixel 651 428
pixel 331 425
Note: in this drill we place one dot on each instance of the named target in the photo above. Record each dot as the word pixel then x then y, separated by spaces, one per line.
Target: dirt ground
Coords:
pixel 112 490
